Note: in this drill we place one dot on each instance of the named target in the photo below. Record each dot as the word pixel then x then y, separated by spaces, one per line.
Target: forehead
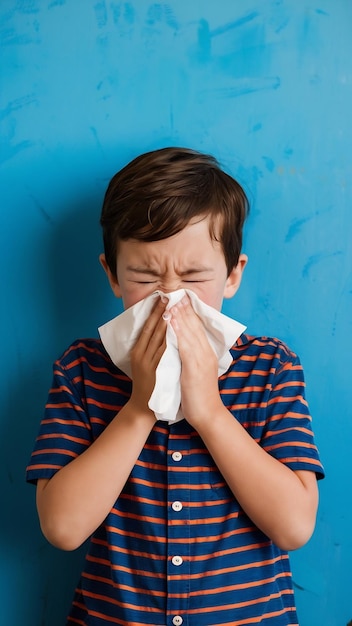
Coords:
pixel 191 243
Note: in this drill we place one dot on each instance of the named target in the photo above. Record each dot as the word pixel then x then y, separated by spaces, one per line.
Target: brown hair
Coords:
pixel 156 195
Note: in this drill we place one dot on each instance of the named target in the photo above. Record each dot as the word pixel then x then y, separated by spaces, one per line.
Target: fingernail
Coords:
pixel 163 299
pixel 166 316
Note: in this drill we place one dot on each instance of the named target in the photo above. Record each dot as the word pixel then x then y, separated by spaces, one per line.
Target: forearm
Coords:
pixel 280 502
pixel 73 503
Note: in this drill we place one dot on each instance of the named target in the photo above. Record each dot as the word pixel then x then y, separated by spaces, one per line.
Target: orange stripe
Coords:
pixel 300 459
pixel 270 433
pixel 219 590
pixel 62 436
pixel 206 557
pixel 283 399
pixel 77 621
pixel 248 389
pixel 293 415
pixel 106 618
pixel 230 570
pixel 108 581
pixel 41 466
pixel 258 620
pixel 64 405
pixel 204 487
pixel 153 520
pixel 104 405
pixel 289 444
pixel 60 389
pixel 245 374
pixel 57 420
pixel 121 568
pixel 238 605
pixel 182 540
pixel 290 383
pixel 55 451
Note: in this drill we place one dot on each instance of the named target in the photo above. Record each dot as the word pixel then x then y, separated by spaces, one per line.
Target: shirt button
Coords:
pixel 177 560
pixel 177 620
pixel 176 456
pixel 177 506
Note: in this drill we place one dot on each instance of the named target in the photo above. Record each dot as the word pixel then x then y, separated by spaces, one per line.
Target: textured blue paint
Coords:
pixel 85 87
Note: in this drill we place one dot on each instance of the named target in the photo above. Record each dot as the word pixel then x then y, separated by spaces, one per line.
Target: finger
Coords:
pixel 185 318
pixel 152 338
pixel 151 324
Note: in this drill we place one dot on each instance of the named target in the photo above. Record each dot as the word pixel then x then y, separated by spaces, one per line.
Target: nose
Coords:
pixel 169 281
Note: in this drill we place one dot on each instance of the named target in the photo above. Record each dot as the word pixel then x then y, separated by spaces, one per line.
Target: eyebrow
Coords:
pixel 152 272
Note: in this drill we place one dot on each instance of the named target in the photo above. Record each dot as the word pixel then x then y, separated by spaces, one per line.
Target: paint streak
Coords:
pixel 128 12
pixel 170 17
pixel 236 24
pixel 282 26
pixel 101 15
pixel 297 586
pixel 27 6
pixel 297 224
pixel 155 14
pixel 317 258
pixel 10 38
pixel 46 216
pixel 204 42
pixel 296 228
pixel 244 86
pixel 344 291
pixel 16 105
pixel 269 163
pixel 97 140
pixel 56 3
pixel 9 152
pixel 158 13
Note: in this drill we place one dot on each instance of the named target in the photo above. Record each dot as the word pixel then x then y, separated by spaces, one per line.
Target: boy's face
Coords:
pixel 188 260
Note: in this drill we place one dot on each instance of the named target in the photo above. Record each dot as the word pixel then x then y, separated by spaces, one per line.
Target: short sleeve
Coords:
pixel 288 434
pixel 65 430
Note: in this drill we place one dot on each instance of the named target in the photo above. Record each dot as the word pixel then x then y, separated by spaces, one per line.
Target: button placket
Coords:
pixel 178 525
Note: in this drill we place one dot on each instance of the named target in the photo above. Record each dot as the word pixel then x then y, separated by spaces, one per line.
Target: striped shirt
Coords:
pixel 176 548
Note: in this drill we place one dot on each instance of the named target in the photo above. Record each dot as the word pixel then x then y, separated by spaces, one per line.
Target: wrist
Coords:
pixel 208 416
pixel 134 413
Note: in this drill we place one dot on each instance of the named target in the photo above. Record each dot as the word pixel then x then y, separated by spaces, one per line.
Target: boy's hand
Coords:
pixel 200 396
pixel 145 356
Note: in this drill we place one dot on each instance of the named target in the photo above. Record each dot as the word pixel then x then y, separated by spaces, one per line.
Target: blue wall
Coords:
pixel 86 86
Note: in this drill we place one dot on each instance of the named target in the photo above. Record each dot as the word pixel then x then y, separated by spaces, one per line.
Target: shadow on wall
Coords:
pixel 72 300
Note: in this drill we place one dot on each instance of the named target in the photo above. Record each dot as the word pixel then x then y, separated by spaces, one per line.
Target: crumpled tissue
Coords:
pixel 120 334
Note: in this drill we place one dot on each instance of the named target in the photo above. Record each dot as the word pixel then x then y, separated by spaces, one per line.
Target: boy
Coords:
pixel 190 523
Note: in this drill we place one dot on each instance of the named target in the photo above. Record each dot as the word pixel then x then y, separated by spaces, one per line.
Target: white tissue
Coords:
pixel 120 334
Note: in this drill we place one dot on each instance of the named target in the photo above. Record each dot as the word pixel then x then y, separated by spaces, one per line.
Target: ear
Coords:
pixel 234 279
pixel 111 277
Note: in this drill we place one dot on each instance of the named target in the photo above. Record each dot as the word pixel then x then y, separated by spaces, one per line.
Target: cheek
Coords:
pixel 131 294
pixel 211 296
